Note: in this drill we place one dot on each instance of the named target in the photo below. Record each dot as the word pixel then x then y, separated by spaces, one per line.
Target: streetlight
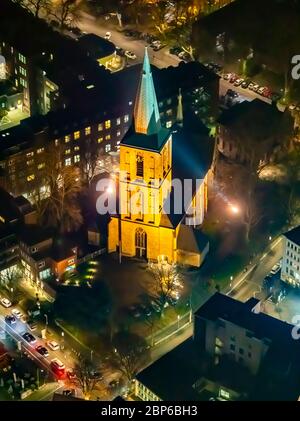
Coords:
pixel 178 319
pixel 234 209
pixel 46 324
pixel 62 340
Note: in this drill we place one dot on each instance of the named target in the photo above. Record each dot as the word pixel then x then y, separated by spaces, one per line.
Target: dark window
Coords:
pixel 139 166
pixel 241 351
pixel 241 360
pixel 249 354
pixel 232 347
pixel 232 338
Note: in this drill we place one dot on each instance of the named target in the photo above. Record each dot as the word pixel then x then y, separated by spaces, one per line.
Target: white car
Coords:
pixel 107 35
pixel 53 345
pixel 260 91
pixel 15 312
pixel 130 55
pixel 5 302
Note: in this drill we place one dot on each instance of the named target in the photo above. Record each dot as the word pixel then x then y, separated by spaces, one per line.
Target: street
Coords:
pixel 160 58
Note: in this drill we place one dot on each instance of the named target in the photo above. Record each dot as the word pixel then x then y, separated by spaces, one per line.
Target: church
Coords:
pixel 163 184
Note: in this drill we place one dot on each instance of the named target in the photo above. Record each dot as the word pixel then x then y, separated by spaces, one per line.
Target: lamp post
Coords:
pixel 46 324
pixel 178 319
pixel 62 340
pixel 92 355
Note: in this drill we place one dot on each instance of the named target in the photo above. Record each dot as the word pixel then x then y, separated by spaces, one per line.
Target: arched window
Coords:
pixel 140 243
pixel 139 166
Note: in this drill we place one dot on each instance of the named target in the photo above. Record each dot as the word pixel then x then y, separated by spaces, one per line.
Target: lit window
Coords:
pixel 126 118
pixel 22 58
pixel 68 162
pixel 169 101
pixel 23 82
pixel 76 135
pixel 118 133
pixel 107 124
pixel 30 177
pixel 29 154
pixel 56 142
pixel 100 127
pixel 76 158
pixel 30 162
pixel 22 71
pixel 41 166
pixel 76 148
pixel 107 137
pixel 100 139
pixel 107 147
pixel 169 112
pixel 168 124
pixel 68 151
pixel 67 139
pixel 87 130
pixel 40 150
pixel 118 121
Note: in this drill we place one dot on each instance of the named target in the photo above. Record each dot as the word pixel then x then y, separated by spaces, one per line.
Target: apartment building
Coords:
pixel 234 352
pixel 290 269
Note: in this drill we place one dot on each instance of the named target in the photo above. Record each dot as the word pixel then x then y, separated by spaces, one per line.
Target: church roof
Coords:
pixel 146 113
pixel 153 142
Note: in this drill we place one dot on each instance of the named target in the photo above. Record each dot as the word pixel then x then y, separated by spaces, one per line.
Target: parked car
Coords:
pixel 261 90
pixel 42 350
pixel 184 56
pixel 130 55
pixel 120 51
pixel 251 86
pixel 11 320
pixel 107 35
pixel 158 46
pixel 53 345
pixel 155 306
pixel 71 375
pixel 275 269
pixel 238 82
pixel 15 312
pixel 227 76
pixel 233 78
pixel 29 338
pixel 57 367
pixel 5 302
pixel 267 93
pixel 246 84
pixel 255 87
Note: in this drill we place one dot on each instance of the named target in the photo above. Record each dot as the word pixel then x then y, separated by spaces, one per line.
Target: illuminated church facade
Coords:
pixel 153 214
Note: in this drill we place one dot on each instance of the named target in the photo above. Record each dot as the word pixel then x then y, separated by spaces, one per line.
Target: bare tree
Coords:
pixel 66 12
pixel 86 376
pixel 37 6
pixel 58 205
pixel 129 353
pixel 10 279
pixel 166 277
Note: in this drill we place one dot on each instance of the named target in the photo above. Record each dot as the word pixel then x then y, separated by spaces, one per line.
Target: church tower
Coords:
pixel 145 180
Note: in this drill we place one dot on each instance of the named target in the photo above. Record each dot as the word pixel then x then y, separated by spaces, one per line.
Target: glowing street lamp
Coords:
pixel 234 209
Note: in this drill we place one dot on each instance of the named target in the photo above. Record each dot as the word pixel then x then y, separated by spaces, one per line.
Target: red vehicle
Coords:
pixel 58 368
pixel 267 93
pixel 233 78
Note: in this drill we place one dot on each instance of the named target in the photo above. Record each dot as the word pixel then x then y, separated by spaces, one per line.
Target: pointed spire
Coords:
pixel 146 113
pixel 179 117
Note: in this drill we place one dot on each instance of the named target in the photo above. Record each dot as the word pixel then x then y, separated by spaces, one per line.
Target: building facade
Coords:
pixel 290 269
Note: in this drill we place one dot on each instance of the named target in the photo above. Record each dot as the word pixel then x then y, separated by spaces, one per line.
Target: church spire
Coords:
pixel 179 117
pixel 146 113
